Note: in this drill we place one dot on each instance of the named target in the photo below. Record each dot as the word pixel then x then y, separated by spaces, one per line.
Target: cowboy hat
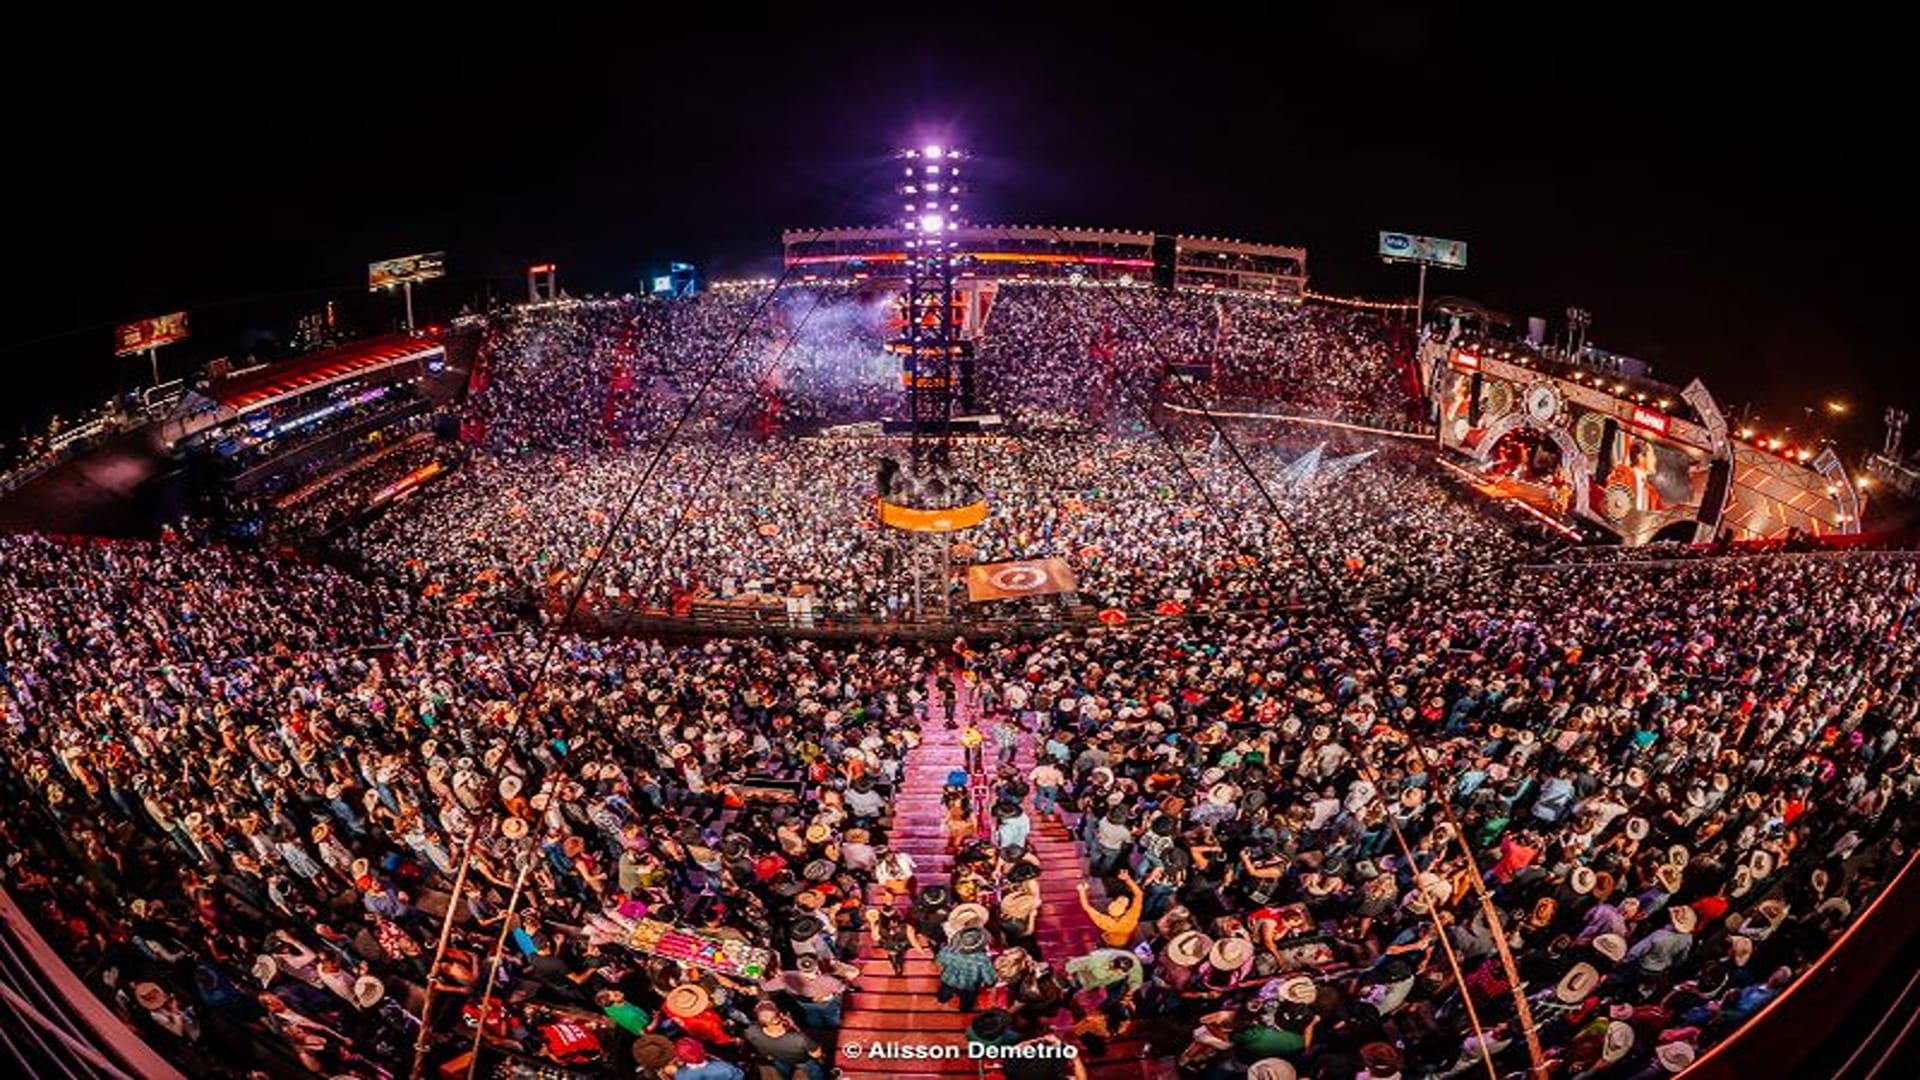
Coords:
pixel 1751 800
pixel 149 995
pixel 1230 954
pixel 966 915
pixel 1272 1069
pixel 1300 990
pixel 1684 918
pixel 1679 856
pixel 1188 949
pixel 1582 879
pixel 1760 862
pixel 1577 984
pixel 1740 948
pixel 513 828
pixel 970 939
pixel 1675 1056
pixel 264 970
pixel 1669 876
pixel 805 928
pixel 367 991
pixel 1019 905
pixel 1611 946
pixel 1637 828
pixel 320 832
pixel 360 868
pixel 1011 963
pixel 818 870
pixel 688 999
pixel 1636 776
pixel 510 787
pixel 1619 1042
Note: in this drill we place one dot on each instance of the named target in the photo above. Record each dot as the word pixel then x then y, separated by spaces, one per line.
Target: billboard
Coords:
pixel 1406 247
pixel 388 273
pixel 1011 580
pixel 136 337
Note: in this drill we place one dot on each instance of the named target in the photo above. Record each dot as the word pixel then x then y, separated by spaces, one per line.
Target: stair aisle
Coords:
pixel 903 1010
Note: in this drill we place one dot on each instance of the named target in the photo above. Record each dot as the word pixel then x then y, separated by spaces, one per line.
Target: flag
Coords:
pixel 1026 577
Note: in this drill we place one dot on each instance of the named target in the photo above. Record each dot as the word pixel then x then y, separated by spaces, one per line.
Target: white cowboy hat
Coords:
pixel 1300 990
pixel 513 828
pixel 1611 946
pixel 1684 918
pixel 510 787
pixel 1581 880
pixel 1577 984
pixel 367 991
pixel 1188 949
pixel 1230 954
pixel 1637 828
pixel 1619 1042
pixel 1675 1056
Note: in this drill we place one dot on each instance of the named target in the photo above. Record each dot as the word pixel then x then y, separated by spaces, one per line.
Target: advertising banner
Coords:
pixel 390 273
pixel 136 337
pixel 1407 247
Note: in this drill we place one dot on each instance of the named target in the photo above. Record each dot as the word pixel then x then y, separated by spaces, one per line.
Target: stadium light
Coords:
pixel 1837 408
pixel 933 153
pixel 932 222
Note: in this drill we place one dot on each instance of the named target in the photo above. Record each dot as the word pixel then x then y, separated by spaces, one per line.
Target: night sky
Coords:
pixel 1723 199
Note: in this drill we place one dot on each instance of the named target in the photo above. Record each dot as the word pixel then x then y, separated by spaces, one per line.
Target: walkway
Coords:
pixel 903 1010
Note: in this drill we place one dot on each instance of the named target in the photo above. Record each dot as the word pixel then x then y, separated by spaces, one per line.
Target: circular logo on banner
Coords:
pixel 1543 403
pixel 1619 502
pixel 1018 578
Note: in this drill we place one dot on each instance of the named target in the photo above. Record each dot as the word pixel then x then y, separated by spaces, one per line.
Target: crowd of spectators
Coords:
pixel 1329 761
pixel 1104 354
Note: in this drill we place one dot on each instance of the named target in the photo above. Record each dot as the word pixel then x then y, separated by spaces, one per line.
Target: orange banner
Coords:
pixel 1028 577
pixel 959 517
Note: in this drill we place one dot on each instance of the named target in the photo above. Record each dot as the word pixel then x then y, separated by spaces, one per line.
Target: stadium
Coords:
pixel 974 648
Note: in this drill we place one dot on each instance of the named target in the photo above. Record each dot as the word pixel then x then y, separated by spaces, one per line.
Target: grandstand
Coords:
pixel 1270 725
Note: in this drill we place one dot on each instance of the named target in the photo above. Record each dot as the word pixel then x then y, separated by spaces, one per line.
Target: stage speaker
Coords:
pixel 1719 474
pixel 1166 257
pixel 1473 401
pixel 1603 461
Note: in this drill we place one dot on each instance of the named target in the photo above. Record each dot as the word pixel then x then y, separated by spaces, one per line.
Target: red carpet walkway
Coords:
pixel 902 1011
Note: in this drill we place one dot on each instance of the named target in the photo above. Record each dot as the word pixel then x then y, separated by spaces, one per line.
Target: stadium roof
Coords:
pixel 259 387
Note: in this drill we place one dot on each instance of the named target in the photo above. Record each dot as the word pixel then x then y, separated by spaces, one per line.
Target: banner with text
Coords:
pixel 389 273
pixel 137 337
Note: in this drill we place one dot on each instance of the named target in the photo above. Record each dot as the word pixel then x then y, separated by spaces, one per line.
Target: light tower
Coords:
pixel 925 498
pixel 930 343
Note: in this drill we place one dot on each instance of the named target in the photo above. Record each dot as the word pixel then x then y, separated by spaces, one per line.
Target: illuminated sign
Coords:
pixel 1465 361
pixel 151 333
pixel 407 269
pixel 1650 420
pixel 1406 247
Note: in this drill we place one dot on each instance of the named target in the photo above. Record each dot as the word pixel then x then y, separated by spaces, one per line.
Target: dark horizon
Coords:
pixel 1721 200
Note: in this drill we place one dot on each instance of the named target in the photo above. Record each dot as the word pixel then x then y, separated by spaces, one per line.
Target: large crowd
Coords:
pixel 1321 747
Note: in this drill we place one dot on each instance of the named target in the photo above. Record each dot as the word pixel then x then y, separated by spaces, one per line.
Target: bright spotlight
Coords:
pixel 933 152
pixel 932 222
